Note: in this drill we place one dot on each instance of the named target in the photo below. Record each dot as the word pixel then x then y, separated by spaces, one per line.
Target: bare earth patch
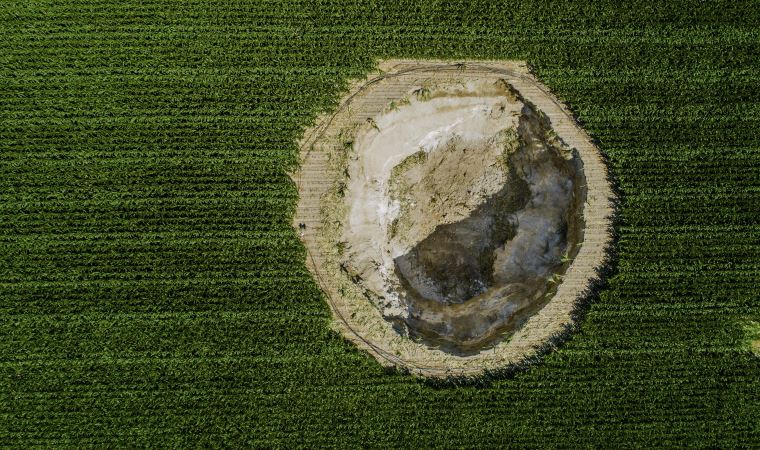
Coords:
pixel 453 213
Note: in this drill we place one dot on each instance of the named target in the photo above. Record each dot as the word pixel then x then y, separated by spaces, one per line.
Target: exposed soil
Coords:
pixel 453 214
pixel 467 231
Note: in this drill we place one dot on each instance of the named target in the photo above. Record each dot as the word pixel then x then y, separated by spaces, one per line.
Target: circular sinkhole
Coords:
pixel 454 215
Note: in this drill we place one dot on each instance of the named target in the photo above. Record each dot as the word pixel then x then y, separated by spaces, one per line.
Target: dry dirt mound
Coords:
pixel 454 215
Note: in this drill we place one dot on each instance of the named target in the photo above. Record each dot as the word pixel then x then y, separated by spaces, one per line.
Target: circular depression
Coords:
pixel 463 209
pixel 451 232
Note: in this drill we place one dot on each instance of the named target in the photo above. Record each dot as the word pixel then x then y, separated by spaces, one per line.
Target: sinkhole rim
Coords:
pixel 363 324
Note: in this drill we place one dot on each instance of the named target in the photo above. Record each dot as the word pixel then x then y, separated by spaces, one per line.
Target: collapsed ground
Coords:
pixel 464 209
pixel 455 215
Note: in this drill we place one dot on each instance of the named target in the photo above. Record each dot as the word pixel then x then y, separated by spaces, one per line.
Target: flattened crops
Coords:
pixel 154 292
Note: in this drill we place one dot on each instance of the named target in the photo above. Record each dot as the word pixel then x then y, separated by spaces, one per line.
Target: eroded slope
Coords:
pixel 463 211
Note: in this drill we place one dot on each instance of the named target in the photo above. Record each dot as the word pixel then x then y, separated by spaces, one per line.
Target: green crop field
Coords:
pixel 153 292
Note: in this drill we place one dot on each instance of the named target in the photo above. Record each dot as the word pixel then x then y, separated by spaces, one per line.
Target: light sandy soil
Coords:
pixel 455 215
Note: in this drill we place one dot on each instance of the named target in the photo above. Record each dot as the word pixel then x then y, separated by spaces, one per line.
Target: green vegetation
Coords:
pixel 752 341
pixel 153 293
